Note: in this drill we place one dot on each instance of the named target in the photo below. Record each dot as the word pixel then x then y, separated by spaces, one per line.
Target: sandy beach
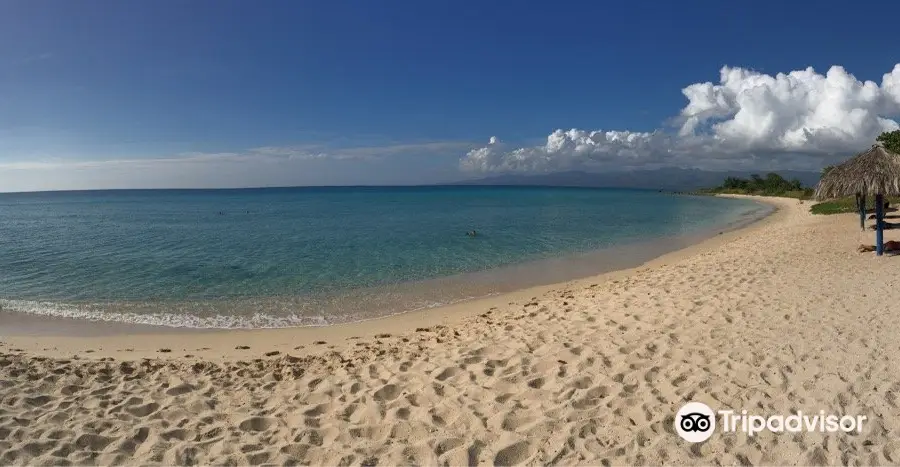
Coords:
pixel 780 316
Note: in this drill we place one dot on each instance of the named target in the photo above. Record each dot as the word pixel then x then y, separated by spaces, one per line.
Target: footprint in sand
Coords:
pixel 257 424
pixel 447 373
pixel 183 388
pixel 37 401
pixel 143 410
pixel 536 383
pixel 387 393
pixel 177 434
pixel 93 442
pixel 446 445
pixel 513 454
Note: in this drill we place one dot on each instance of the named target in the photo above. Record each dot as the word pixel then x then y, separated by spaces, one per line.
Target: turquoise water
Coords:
pixel 278 257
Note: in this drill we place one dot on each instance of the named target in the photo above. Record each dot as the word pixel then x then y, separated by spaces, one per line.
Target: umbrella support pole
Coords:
pixel 879 225
pixel 861 207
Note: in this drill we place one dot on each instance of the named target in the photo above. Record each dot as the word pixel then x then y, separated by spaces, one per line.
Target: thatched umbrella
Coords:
pixel 873 172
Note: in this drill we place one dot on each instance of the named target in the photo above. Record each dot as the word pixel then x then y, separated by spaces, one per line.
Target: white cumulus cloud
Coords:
pixel 801 119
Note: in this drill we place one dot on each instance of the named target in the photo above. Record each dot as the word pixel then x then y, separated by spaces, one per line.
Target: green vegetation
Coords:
pixel 890 140
pixel 835 206
pixel 772 185
pixel 848 204
pixel 775 185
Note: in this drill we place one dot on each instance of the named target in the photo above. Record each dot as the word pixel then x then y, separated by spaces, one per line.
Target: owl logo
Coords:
pixel 695 422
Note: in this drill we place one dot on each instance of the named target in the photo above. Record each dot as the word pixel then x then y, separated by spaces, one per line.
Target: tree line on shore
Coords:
pixel 772 184
pixel 775 185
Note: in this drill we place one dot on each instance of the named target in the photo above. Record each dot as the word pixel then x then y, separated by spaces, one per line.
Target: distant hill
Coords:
pixel 670 179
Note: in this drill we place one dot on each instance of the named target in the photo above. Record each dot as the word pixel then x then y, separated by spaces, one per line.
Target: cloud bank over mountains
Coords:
pixel 799 120
pixel 748 121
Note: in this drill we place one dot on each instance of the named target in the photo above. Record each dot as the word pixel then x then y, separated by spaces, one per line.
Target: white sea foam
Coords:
pixel 94 312
pixel 178 318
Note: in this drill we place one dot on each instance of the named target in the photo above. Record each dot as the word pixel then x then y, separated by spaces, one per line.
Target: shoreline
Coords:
pixel 587 372
pixel 102 317
pixel 54 336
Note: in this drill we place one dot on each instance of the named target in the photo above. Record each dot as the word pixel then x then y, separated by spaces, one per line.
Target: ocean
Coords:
pixel 278 257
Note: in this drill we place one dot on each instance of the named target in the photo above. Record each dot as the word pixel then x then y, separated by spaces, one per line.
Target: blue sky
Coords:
pixel 103 94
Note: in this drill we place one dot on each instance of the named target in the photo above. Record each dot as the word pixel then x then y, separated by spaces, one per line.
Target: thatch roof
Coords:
pixel 870 173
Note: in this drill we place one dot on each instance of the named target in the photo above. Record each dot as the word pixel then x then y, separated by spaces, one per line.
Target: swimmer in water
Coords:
pixel 471 234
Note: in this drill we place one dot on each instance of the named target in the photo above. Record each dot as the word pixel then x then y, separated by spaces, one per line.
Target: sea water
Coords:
pixel 311 256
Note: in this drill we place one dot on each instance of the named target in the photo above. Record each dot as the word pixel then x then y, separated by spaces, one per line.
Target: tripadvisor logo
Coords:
pixel 695 422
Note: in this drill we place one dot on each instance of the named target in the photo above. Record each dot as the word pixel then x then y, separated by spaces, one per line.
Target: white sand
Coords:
pixel 778 317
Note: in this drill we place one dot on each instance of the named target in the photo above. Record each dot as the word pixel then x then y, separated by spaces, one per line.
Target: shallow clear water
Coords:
pixel 274 257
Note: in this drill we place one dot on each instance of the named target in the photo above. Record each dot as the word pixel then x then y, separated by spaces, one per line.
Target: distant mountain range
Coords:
pixel 670 179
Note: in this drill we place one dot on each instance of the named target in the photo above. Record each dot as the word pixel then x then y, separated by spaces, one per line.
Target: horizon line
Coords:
pixel 464 182
pixel 434 185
